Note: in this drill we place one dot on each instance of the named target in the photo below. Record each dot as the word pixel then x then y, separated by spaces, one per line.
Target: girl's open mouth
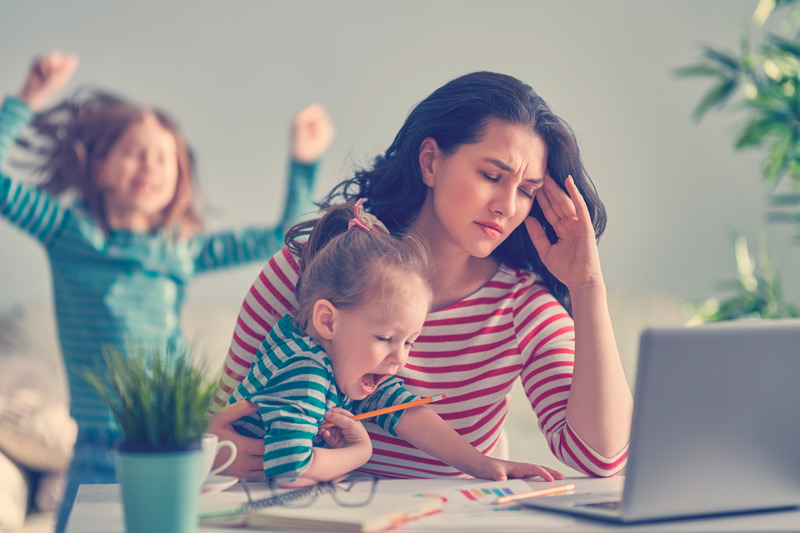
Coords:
pixel 370 382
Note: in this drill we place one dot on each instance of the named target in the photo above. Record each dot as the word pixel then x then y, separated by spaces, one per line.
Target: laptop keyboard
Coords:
pixel 614 505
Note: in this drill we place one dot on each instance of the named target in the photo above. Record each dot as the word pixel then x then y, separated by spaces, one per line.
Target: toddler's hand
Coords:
pixel 346 431
pixel 48 75
pixel 499 470
pixel 312 134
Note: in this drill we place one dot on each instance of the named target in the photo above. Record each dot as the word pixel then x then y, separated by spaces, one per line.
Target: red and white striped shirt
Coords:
pixel 472 351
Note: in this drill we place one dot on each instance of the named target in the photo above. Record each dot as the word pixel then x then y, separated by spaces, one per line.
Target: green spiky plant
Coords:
pixel 760 294
pixel 158 398
pixel 763 81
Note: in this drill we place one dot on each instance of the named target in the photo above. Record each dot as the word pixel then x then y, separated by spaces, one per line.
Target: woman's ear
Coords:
pixel 323 317
pixel 428 154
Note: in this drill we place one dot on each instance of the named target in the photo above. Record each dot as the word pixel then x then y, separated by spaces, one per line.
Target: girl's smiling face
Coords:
pixel 481 192
pixel 140 175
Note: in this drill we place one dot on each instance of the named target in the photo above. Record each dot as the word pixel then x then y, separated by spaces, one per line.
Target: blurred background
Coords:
pixel 234 73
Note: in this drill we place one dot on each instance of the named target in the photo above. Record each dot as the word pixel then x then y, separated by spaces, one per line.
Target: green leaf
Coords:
pixel 700 69
pixel 788 46
pixel 757 130
pixel 715 97
pixel 777 159
pixel 723 58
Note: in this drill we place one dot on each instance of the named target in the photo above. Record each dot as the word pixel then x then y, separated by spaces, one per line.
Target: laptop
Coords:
pixel 716 426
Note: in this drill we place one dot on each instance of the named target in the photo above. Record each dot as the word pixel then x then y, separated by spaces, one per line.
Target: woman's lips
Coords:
pixel 491 229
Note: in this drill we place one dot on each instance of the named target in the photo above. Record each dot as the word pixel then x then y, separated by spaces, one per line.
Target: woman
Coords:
pixel 473 161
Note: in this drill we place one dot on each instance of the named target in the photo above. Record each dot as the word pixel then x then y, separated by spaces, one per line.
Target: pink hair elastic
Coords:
pixel 365 220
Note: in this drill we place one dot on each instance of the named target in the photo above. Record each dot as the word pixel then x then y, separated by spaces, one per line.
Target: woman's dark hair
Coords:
pixel 456 114
pixel 72 137
pixel 350 267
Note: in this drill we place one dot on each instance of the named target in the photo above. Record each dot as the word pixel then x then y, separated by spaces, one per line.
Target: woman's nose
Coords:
pixel 503 202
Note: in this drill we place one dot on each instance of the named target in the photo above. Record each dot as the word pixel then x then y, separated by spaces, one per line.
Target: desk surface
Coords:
pixel 98 509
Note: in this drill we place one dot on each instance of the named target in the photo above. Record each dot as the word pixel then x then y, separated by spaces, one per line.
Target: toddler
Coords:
pixel 363 296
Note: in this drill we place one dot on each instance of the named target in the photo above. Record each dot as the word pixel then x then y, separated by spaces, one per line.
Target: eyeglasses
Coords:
pixel 356 489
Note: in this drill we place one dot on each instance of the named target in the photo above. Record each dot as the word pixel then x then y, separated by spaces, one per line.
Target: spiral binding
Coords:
pixel 285 498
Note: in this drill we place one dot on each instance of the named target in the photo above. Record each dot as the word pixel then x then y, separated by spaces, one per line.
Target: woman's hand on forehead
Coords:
pixel 573 259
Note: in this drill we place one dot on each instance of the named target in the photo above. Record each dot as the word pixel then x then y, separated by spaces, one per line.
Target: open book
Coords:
pixel 384 512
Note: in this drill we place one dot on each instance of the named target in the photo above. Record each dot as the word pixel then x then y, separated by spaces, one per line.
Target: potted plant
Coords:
pixel 159 400
pixel 763 82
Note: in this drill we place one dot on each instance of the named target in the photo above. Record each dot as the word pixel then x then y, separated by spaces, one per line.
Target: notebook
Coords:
pixel 716 426
pixel 384 512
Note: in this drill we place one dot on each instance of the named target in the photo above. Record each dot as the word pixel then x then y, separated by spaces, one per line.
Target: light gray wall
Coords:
pixel 233 73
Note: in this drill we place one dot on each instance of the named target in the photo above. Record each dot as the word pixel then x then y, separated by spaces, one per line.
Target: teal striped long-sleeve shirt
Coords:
pixel 124 286
pixel 292 382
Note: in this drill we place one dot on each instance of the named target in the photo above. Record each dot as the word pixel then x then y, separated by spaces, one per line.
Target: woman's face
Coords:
pixel 481 192
pixel 140 174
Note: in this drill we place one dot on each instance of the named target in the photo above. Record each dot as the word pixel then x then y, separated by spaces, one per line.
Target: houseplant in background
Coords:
pixel 159 400
pixel 762 80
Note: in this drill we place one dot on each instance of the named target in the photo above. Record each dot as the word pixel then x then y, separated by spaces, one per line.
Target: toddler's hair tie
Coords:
pixel 365 220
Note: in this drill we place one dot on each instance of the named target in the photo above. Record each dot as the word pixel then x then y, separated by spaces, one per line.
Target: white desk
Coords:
pixel 98 509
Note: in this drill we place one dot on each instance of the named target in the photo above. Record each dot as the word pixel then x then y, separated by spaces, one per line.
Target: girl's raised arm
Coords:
pixel 47 76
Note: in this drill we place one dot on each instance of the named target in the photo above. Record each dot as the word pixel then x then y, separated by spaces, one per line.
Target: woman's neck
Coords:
pixel 456 274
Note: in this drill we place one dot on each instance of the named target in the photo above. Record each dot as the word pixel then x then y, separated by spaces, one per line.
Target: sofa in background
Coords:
pixel 36 432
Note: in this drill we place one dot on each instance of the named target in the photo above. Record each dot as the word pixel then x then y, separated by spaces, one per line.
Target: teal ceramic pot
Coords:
pixel 160 489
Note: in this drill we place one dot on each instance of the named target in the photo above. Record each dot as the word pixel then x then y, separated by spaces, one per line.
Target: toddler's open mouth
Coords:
pixel 370 382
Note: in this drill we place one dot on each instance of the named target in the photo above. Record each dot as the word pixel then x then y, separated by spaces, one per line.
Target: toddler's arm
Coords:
pixel 427 431
pixel 353 449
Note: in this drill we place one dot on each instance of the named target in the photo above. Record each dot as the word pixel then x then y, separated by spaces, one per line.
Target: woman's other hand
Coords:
pixel 249 462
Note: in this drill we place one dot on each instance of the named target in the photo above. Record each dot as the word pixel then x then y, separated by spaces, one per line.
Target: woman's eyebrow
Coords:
pixel 502 166
pixel 499 164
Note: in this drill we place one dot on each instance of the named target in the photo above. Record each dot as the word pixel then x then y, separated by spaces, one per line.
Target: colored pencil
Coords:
pixel 535 493
pixel 399 407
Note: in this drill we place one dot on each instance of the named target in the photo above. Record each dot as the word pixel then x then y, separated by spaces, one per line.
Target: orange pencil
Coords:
pixel 535 493
pixel 398 407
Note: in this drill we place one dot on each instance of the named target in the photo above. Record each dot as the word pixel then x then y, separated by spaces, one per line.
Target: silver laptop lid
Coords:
pixel 716 423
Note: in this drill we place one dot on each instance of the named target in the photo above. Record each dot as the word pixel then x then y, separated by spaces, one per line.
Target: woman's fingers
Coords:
pixel 560 201
pixel 543 197
pixel 581 209
pixel 250 451
pixel 544 473
pixel 537 235
pixel 555 473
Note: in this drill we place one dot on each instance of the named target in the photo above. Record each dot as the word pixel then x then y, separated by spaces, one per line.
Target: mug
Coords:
pixel 211 445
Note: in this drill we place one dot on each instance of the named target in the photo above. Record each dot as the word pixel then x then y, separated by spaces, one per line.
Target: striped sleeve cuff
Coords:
pixel 577 454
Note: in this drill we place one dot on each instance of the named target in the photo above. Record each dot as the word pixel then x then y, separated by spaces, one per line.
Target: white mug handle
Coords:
pixel 226 464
